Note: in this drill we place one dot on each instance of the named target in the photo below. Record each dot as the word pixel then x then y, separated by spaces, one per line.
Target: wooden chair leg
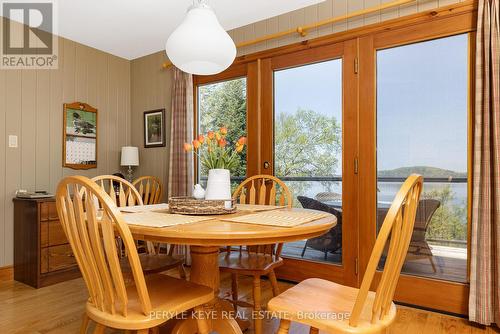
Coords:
pixel 143 331
pixel 182 272
pixel 99 329
pixel 313 330
pixel 202 322
pixel 274 283
pixel 234 290
pixel 284 327
pixel 155 330
pixel 85 324
pixel 257 302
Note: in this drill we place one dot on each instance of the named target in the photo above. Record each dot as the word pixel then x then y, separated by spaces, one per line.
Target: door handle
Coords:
pixel 266 164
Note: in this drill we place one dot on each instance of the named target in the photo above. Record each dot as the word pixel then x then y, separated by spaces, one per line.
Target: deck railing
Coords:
pixel 339 179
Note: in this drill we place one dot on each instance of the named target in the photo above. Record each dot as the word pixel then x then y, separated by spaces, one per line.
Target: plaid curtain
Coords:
pixel 484 296
pixel 180 180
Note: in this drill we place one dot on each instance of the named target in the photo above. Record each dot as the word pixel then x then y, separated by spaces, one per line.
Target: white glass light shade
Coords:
pixel 200 45
pixel 130 156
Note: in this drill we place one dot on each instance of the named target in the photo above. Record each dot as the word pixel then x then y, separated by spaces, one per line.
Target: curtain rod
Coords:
pixel 304 29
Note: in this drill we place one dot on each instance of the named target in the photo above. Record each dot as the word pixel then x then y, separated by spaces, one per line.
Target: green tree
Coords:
pixel 307 144
pixel 224 104
pixel 449 222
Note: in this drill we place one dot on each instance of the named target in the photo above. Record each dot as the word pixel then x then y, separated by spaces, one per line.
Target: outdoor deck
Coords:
pixel 451 262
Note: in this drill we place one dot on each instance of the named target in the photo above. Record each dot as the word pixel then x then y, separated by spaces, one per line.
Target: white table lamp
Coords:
pixel 130 158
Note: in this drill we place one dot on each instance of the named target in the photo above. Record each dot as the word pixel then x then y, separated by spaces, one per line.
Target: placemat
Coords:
pixel 144 208
pixel 156 219
pixel 256 207
pixel 282 218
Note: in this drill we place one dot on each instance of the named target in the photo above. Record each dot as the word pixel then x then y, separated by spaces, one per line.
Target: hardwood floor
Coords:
pixel 57 309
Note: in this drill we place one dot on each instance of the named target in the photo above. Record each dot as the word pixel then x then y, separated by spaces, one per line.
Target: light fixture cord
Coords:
pixel 197 3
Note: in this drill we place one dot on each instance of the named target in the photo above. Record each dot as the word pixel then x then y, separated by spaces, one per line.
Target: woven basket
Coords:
pixel 193 206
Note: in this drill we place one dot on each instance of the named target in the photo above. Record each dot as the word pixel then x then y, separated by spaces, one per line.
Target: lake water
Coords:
pixel 386 193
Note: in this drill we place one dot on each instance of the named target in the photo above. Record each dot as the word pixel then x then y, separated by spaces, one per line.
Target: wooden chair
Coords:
pixel 150 189
pixel 123 193
pixel 256 261
pixel 355 310
pixel 90 220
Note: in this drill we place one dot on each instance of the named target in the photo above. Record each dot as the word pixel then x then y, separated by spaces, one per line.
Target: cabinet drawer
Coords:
pixel 44 234
pixel 44 260
pixel 48 211
pixel 60 257
pixel 56 233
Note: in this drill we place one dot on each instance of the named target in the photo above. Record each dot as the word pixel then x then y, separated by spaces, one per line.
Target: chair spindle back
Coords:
pixel 264 190
pixel 398 226
pixel 150 189
pixel 121 192
pixel 89 218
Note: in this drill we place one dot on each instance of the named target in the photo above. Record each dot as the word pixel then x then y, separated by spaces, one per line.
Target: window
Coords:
pixel 422 112
pixel 308 145
pixel 224 104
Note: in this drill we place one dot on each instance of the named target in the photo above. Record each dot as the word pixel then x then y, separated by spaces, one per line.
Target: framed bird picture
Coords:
pixel 79 136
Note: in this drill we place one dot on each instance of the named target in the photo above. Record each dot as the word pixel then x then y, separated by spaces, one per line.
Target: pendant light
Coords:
pixel 199 45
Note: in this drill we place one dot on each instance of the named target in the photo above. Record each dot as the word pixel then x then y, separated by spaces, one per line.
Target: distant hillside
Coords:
pixel 422 170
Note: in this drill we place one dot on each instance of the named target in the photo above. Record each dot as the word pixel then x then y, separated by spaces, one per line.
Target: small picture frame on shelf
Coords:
pixel 79 136
pixel 154 128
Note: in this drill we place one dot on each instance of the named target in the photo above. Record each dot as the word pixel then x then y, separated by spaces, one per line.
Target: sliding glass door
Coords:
pixel 416 116
pixel 422 127
pixel 308 148
pixel 313 144
pixel 348 131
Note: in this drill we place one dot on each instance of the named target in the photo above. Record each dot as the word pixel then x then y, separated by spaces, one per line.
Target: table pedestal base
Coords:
pixel 205 271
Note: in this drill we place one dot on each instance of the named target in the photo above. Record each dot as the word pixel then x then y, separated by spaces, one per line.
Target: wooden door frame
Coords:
pixel 431 293
pixel 300 269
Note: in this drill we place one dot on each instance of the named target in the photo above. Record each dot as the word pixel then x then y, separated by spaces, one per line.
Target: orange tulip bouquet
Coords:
pixel 214 151
pixel 219 157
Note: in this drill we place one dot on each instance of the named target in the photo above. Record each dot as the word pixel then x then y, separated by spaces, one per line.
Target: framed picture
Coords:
pixel 154 128
pixel 79 136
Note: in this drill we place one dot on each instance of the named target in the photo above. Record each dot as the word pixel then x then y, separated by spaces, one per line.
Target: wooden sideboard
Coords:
pixel 42 254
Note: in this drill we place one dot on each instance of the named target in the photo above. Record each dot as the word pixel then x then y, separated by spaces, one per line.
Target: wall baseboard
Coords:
pixel 6 273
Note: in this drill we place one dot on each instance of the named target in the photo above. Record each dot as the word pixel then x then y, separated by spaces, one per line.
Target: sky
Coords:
pixel 316 87
pixel 421 101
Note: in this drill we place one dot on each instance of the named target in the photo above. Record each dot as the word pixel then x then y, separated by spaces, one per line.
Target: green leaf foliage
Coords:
pixel 224 104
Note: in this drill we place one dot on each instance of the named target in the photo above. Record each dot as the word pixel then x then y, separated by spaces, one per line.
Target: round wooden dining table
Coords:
pixel 205 240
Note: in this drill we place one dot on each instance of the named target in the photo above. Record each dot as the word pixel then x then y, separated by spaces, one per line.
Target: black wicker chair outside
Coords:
pixel 419 248
pixel 329 242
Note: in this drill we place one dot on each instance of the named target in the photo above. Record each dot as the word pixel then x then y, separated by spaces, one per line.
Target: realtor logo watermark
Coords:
pixel 29 36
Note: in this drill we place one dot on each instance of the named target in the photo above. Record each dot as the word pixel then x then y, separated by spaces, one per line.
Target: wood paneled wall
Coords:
pixel 151 89
pixel 31 107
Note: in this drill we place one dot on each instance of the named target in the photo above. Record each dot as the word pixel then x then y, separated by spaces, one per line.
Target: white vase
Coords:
pixel 218 184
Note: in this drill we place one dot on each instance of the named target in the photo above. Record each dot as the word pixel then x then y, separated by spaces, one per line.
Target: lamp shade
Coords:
pixel 130 156
pixel 200 45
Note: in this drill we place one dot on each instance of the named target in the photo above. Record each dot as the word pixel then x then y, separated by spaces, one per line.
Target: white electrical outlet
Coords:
pixel 12 141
